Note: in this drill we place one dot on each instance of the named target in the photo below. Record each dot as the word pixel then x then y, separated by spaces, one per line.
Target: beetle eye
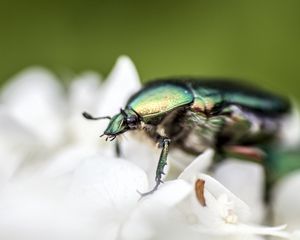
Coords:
pixel 131 121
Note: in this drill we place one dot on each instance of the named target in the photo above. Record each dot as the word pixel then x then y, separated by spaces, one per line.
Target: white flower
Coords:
pixel 92 204
pixel 178 211
pixel 16 145
pixel 59 181
pixel 286 201
pixel 295 235
pixel 35 99
pixel 291 139
pixel 48 118
pixel 46 140
pixel 213 209
pixel 216 203
pixel 246 180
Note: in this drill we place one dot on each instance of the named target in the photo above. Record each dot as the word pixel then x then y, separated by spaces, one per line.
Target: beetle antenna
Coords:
pixel 90 117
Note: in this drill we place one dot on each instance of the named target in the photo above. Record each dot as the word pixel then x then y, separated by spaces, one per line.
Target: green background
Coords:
pixel 254 40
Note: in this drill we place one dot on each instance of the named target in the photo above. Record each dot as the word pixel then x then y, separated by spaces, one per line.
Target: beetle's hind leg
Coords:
pixel 164 143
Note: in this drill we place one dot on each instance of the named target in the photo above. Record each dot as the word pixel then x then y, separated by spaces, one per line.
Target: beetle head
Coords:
pixel 125 120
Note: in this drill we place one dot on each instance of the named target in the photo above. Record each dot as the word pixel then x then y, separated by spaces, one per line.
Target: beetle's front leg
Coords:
pixel 118 149
pixel 164 144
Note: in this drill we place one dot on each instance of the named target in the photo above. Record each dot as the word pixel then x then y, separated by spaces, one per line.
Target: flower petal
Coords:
pixel 83 92
pixel 295 235
pixel 17 145
pixel 291 139
pixel 65 162
pixel 178 160
pixel 156 217
pixel 286 201
pixel 171 193
pixel 121 83
pixel 107 190
pixel 220 208
pixel 246 180
pixel 33 206
pixel 217 190
pixel 34 98
pixel 83 96
pixel 243 231
pixel 108 183
pixel 141 152
pixel 200 164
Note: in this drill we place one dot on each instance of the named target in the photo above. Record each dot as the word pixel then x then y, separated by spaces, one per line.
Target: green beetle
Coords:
pixel 196 114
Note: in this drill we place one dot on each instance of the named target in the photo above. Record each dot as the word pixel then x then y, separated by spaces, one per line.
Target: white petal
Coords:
pixel 178 160
pixel 295 235
pixel 221 206
pixel 32 207
pixel 200 164
pixel 66 161
pixel 108 189
pixel 84 93
pixel 171 193
pixel 34 98
pixel 87 133
pixel 286 201
pixel 108 183
pixel 291 139
pixel 243 231
pixel 121 83
pixel 246 180
pixel 142 152
pixel 17 144
pixel 217 190
pixel 261 230
pixel 156 215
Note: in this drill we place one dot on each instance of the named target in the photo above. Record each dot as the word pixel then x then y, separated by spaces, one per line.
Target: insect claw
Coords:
pixel 139 192
pixel 142 194
pixel 145 193
pixel 102 135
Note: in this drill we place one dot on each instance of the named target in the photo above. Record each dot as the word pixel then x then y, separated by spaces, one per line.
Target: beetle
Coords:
pixel 196 114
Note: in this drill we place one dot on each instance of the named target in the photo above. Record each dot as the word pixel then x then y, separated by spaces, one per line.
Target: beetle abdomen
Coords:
pixel 253 99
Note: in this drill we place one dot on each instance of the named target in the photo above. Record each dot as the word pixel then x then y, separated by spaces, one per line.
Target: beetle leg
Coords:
pixel 117 148
pixel 245 152
pixel 162 159
pixel 164 143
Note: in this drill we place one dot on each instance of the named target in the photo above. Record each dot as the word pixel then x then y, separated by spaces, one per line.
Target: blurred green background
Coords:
pixel 254 40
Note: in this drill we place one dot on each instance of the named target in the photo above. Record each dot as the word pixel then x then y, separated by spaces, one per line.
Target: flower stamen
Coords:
pixel 199 189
